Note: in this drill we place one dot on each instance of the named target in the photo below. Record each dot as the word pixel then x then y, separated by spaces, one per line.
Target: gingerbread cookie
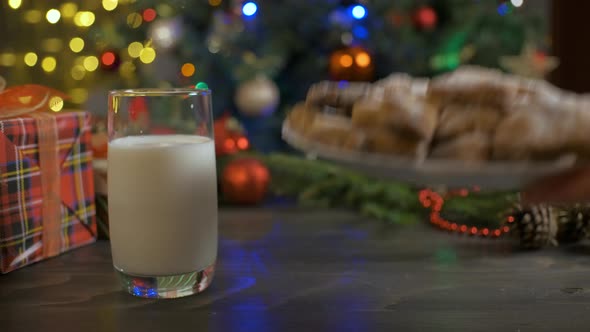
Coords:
pixel 384 141
pixel 398 110
pixel 472 85
pixel 460 119
pixel 366 113
pixel 409 114
pixel 336 94
pixel 301 117
pixel 474 146
pixel 330 129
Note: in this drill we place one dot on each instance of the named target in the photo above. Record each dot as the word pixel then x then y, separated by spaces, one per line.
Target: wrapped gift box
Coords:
pixel 47 198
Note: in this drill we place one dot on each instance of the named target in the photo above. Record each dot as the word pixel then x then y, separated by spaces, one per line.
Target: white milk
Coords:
pixel 162 204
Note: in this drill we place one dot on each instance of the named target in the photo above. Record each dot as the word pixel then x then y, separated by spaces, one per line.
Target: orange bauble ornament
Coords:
pixel 245 181
pixel 351 64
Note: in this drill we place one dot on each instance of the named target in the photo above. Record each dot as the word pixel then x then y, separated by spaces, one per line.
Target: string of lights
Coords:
pixel 79 45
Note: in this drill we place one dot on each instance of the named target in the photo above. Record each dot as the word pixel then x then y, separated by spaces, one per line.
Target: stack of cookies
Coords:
pixel 472 114
pixel 395 118
pixel 471 103
pixel 389 117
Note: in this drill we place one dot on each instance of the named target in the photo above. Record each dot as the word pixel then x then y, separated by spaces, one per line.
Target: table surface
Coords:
pixel 289 269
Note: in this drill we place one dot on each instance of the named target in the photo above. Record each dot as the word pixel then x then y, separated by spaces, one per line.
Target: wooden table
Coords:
pixel 288 269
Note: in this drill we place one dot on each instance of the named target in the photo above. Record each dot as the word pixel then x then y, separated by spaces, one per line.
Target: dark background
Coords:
pixel 571 35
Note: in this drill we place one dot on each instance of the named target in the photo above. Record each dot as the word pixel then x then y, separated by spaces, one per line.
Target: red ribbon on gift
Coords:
pixel 26 99
pixel 33 100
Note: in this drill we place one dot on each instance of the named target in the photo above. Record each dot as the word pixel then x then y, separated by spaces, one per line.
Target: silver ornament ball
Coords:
pixel 256 97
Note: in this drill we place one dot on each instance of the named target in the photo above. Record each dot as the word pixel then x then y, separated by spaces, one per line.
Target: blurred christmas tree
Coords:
pixel 259 57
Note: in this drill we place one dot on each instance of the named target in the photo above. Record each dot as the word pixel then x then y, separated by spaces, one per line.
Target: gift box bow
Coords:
pixel 34 101
pixel 28 99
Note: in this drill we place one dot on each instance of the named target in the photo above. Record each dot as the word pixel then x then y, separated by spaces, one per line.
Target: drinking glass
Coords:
pixel 162 190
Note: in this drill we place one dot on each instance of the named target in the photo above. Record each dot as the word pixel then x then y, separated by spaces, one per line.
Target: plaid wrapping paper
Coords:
pixel 21 192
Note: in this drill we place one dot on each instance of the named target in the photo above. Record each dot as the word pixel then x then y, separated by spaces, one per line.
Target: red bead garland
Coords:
pixel 434 201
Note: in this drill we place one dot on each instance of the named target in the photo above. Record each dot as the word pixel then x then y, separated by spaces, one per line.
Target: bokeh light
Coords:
pixel 359 12
pixel 166 33
pixel 249 8
pixel 33 16
pixel 134 49
pixel 76 44
pixel 149 14
pixel 68 9
pixel 56 103
pixel 48 64
pixel 215 2
pixel 214 45
pixel 242 143
pixel 346 60
pixel 188 70
pixel 504 9
pixel 109 5
pixel 79 60
pixel 360 32
pixel 147 55
pixel 517 3
pixel 78 72
pixel 164 10
pixel 90 63
pixel 127 69
pixel 134 20
pixel 84 19
pixel 14 4
pixel 108 58
pixel 7 59
pixel 363 59
pixel 347 38
pixel 78 95
pixel 31 59
pixel 53 16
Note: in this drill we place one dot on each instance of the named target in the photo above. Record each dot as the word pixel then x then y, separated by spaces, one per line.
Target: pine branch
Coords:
pixel 319 183
pixel 479 209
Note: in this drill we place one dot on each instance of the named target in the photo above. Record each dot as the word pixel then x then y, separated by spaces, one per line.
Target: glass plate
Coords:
pixel 493 175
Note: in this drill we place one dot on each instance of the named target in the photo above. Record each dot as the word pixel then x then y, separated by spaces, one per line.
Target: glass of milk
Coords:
pixel 162 190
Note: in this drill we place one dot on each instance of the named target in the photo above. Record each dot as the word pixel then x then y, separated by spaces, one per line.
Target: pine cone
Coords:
pixel 574 223
pixel 535 226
